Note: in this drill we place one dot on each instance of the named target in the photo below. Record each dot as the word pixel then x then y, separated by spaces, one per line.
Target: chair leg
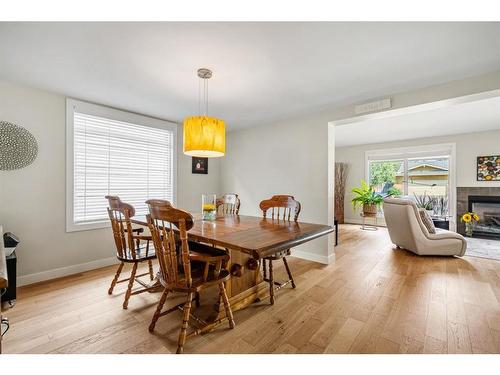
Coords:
pixel 185 320
pixel 115 280
pixel 264 268
pixel 130 285
pixel 227 306
pixel 158 310
pixel 271 282
pixel 150 263
pixel 197 299
pixel 289 273
pixel 225 262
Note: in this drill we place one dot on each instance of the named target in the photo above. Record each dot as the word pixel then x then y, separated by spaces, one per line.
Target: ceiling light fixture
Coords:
pixel 204 136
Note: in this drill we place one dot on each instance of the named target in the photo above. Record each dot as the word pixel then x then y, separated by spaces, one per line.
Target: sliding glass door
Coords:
pixel 385 174
pixel 425 178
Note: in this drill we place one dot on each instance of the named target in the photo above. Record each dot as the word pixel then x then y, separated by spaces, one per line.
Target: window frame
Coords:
pixel 422 151
pixel 113 114
pixel 406 173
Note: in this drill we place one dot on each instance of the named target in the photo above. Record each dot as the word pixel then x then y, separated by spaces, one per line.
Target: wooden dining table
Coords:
pixel 249 239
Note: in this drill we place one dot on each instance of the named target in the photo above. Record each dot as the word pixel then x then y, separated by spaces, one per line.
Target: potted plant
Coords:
pixel 426 202
pixel 394 192
pixel 442 206
pixel 341 171
pixel 367 197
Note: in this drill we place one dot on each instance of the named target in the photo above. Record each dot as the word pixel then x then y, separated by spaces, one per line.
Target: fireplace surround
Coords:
pixel 488 209
pixel 485 201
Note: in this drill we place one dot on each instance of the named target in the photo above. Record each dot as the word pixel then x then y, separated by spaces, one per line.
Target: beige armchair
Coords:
pixel 407 231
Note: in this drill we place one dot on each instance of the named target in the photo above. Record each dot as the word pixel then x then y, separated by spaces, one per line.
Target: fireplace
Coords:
pixel 488 209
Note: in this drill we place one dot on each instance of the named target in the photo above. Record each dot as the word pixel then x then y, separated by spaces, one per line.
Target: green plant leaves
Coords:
pixel 366 195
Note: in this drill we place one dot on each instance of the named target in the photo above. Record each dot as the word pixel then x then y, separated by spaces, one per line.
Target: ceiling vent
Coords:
pixel 376 106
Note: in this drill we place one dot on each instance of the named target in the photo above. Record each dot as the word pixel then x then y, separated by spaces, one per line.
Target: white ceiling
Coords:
pixel 263 72
pixel 472 117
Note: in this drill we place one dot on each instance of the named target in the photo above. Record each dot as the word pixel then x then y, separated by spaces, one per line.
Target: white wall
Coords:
pixel 468 147
pixel 32 199
pixel 286 158
pixel 191 186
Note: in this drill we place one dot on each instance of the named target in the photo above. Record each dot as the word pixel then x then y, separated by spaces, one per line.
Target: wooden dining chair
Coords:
pixel 228 204
pixel 132 246
pixel 280 207
pixel 178 271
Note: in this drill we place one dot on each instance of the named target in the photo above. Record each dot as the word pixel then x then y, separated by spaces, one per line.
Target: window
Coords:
pixel 116 153
pixel 415 171
pixel 383 175
pixel 429 176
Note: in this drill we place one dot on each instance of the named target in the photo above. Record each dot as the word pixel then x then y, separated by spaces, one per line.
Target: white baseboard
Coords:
pixel 77 268
pixel 314 257
pixel 380 222
pixel 64 271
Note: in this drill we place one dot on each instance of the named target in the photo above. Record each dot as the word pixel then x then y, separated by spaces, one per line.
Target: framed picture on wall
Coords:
pixel 200 165
pixel 488 168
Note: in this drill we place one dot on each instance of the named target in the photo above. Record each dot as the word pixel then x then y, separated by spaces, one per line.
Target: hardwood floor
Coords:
pixel 373 299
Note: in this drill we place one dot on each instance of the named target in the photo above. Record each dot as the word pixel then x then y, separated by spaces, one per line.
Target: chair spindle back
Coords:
pixel 161 220
pixel 282 207
pixel 228 204
pixel 119 214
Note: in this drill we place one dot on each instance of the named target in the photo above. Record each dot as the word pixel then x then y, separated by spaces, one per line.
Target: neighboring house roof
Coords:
pixel 428 167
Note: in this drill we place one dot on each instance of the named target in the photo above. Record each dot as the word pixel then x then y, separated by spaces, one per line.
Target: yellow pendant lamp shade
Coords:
pixel 204 137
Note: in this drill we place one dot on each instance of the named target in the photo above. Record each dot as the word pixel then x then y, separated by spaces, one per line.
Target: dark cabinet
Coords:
pixel 441 223
pixel 10 294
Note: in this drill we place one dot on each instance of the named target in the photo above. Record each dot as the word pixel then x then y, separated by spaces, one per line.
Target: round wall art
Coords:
pixel 18 147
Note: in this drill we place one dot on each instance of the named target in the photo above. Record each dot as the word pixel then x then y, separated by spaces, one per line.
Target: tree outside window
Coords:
pixel 383 175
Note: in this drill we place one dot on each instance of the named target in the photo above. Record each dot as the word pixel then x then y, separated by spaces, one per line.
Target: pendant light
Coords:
pixel 204 136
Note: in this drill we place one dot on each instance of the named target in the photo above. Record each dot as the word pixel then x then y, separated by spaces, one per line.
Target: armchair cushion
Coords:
pixel 426 219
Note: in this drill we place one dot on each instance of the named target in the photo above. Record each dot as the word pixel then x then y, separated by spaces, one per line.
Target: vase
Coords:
pixel 469 229
pixel 208 206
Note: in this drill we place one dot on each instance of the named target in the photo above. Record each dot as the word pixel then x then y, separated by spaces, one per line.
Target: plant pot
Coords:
pixel 339 211
pixel 370 209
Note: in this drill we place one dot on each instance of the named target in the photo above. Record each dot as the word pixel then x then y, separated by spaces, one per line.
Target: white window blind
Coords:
pixel 112 157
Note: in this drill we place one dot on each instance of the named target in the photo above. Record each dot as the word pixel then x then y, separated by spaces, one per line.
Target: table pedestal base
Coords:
pixel 244 299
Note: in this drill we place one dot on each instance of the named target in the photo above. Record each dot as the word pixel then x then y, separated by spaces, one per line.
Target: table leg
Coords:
pixel 336 233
